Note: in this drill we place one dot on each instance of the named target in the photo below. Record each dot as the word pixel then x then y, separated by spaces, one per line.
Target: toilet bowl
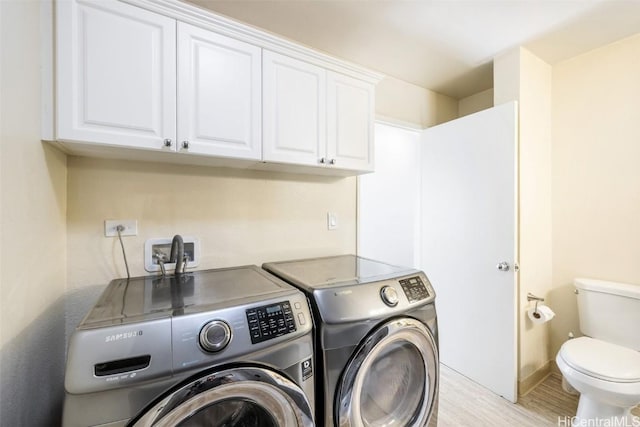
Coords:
pixel 606 375
pixel 604 365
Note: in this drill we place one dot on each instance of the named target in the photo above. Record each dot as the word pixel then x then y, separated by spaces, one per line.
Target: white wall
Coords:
pixel 596 173
pixel 389 199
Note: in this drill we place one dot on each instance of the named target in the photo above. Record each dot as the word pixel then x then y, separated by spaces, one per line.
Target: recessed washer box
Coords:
pixel 163 245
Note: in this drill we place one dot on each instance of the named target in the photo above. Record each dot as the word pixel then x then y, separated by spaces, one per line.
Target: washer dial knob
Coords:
pixel 214 336
pixel 389 295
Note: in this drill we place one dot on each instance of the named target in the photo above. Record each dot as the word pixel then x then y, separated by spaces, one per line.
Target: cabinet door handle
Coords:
pixel 168 142
pixel 185 145
pixel 332 161
pixel 323 160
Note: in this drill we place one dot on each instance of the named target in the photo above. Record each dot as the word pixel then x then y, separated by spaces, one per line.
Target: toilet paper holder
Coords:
pixel 532 297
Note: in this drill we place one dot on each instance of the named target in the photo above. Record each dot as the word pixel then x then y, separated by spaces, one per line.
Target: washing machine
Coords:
pixel 227 347
pixel 376 340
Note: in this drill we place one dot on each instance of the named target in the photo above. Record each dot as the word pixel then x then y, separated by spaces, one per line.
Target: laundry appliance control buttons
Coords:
pixel 301 319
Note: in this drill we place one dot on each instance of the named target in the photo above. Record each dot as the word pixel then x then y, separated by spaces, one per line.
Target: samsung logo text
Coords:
pixel 122 336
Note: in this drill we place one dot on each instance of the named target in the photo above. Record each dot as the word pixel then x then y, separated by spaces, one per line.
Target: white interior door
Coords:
pixel 469 196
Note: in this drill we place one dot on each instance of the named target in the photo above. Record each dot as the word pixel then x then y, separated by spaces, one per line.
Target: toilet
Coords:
pixel 604 365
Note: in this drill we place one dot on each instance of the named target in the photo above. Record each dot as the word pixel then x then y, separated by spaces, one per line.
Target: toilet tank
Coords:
pixel 609 311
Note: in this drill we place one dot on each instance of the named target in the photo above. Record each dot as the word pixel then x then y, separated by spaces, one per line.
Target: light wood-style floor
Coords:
pixel 464 403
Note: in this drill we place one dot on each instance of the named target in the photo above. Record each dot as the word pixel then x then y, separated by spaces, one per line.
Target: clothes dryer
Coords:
pixel 227 347
pixel 376 340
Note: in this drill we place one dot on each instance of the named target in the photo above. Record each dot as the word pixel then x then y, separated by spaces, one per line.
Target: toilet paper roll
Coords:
pixel 541 315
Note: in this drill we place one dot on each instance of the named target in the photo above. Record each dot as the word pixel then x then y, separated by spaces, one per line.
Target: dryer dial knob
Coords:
pixel 389 295
pixel 214 336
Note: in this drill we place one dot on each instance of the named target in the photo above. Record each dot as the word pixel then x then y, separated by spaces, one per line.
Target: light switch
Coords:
pixel 332 221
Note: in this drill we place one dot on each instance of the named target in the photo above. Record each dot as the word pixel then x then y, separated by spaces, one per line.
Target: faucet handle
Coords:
pixel 161 258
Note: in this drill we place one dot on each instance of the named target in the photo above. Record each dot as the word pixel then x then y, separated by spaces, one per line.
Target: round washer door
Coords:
pixel 239 396
pixel 392 378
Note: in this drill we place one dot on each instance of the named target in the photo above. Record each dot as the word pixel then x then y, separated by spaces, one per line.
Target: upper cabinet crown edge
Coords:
pixel 192 14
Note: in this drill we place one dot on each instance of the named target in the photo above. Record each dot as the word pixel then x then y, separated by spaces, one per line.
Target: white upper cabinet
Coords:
pixel 219 94
pixel 350 113
pixel 316 117
pixel 167 81
pixel 116 76
pixel 294 110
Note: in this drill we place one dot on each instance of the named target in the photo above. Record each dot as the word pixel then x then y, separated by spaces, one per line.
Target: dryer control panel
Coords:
pixel 270 321
pixel 414 289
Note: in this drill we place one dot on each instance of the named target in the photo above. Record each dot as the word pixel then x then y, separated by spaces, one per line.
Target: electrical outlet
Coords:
pixel 130 227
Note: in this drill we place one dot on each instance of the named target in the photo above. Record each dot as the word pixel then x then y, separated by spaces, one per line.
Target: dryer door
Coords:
pixel 392 378
pixel 239 396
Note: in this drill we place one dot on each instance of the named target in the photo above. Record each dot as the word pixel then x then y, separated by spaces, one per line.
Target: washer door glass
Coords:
pixel 235 397
pixel 391 379
pixel 231 413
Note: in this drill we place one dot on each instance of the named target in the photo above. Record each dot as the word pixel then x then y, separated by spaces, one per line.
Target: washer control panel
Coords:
pixel 270 321
pixel 414 289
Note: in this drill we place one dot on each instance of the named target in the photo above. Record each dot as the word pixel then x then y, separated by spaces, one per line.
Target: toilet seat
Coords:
pixel 602 360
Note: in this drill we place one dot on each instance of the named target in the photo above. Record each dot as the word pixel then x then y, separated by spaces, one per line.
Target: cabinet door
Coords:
pixel 350 118
pixel 115 74
pixel 294 110
pixel 219 95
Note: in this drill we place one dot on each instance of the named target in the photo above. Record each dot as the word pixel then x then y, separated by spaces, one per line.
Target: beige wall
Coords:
pixel 241 217
pixel 596 174
pixel 522 76
pixel 579 175
pixel 33 181
pixel 476 102
pixel 32 225
pixel 402 102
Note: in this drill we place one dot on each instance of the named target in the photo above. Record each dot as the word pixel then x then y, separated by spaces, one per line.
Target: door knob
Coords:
pixel 503 266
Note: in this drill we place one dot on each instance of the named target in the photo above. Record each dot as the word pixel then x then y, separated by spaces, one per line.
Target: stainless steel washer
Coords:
pixel 376 340
pixel 228 347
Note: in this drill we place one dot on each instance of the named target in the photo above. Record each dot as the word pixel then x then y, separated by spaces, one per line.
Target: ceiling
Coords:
pixel 443 45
